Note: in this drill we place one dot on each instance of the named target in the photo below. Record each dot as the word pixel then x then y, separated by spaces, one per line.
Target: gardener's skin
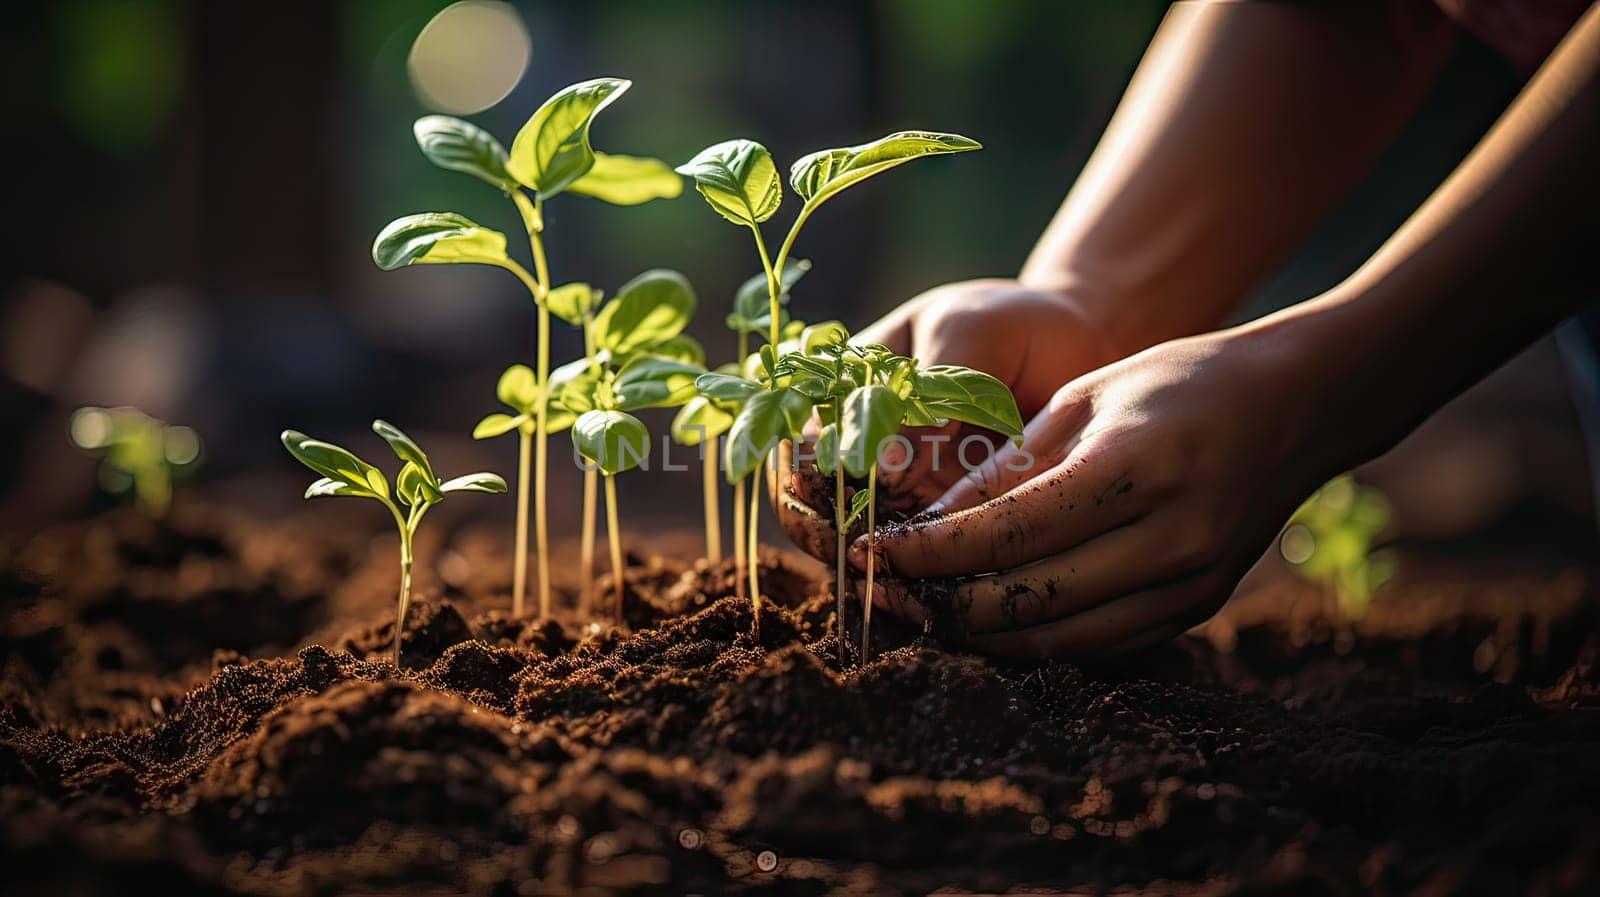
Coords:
pixel 1159 479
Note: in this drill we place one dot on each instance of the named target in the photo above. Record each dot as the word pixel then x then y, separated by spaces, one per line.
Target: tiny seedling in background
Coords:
pixel 740 182
pixel 416 489
pixel 139 454
pixel 1330 540
pixel 550 155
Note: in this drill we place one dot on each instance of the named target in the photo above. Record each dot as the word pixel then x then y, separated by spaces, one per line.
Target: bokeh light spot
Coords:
pixel 469 56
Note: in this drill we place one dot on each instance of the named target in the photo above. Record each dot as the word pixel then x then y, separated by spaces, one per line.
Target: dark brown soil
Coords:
pixel 206 707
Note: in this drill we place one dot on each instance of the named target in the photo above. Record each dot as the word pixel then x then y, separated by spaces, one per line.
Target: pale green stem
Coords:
pixel 614 532
pixel 541 427
pixel 754 545
pixel 739 529
pixel 591 494
pixel 872 558
pixel 708 476
pixel 838 575
pixel 519 564
pixel 788 240
pixel 772 287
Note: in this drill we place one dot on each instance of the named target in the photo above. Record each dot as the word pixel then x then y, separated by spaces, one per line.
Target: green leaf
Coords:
pixel 726 387
pixel 918 415
pixel 330 486
pixel 572 302
pixel 969 396
pixel 628 180
pixel 475 482
pixel 614 441
pixel 650 381
pixel 414 486
pixel 823 174
pixel 698 420
pixel 336 463
pixel 682 347
pixel 738 179
pixel 827 333
pixel 828 448
pixel 767 417
pixel 458 145
pixel 437 238
pixel 552 150
pixel 752 308
pixel 518 388
pixel 858 506
pixel 872 414
pixel 404 448
pixel 651 308
pixel 497 425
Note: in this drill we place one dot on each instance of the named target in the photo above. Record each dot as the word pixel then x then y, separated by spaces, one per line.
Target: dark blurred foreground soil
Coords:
pixel 206 706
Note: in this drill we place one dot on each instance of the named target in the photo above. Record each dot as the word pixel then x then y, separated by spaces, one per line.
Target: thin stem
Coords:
pixel 541 463
pixel 754 545
pixel 708 477
pixel 591 493
pixel 788 240
pixel 519 568
pixel 615 533
pixel 772 284
pixel 407 525
pixel 838 574
pixel 739 533
pixel 872 557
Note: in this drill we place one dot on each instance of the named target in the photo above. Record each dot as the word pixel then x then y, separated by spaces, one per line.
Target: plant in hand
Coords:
pixel 139 454
pixel 416 489
pixel 550 155
pixel 740 182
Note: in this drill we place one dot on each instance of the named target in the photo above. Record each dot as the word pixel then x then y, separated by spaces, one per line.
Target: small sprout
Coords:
pixel 416 488
pixel 550 155
pixel 139 453
pixel 1330 539
pixel 740 181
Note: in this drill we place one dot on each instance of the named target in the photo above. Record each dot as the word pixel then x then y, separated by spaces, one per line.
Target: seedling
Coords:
pixel 139 454
pixel 550 155
pixel 740 182
pixel 415 487
pixel 1330 540
pixel 639 358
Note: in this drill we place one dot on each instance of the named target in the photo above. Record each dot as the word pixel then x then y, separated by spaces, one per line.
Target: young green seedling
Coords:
pixel 1331 538
pixel 550 155
pixel 415 487
pixel 740 182
pixel 864 395
pixel 139 453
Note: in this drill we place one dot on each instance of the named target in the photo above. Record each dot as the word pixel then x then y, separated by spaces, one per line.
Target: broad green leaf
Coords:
pixel 330 486
pixel 437 238
pixel 738 179
pixel 458 145
pixel 650 381
pixel 767 417
pixel 628 180
pixel 726 387
pixel 823 174
pixel 614 441
pixel 571 302
pixel 872 414
pixel 552 150
pixel 336 463
pixel 651 308
pixel 416 487
pixel 827 333
pixel 918 415
pixel 496 425
pixel 969 396
pixel 518 388
pixel 752 307
pixel 698 420
pixel 404 447
pixel 858 506
pixel 682 347
pixel 475 482
pixel 828 448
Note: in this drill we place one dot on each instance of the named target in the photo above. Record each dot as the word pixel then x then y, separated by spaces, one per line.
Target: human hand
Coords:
pixel 1141 494
pixel 1033 340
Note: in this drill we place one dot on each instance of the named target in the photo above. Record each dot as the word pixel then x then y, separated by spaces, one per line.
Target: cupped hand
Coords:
pixel 1142 492
pixel 1033 340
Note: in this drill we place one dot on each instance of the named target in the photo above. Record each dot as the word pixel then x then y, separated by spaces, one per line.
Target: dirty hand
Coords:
pixel 1033 340
pixel 1141 494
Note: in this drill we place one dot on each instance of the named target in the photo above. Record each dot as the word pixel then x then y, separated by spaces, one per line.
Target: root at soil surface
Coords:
pixel 207 707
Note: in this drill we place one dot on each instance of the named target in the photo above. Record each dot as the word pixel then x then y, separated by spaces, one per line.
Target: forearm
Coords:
pixel 1244 125
pixel 1501 252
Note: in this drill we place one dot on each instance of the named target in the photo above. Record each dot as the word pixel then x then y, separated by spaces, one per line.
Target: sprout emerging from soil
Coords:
pixel 140 454
pixel 550 155
pixel 740 182
pixel 416 488
pixel 1330 540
